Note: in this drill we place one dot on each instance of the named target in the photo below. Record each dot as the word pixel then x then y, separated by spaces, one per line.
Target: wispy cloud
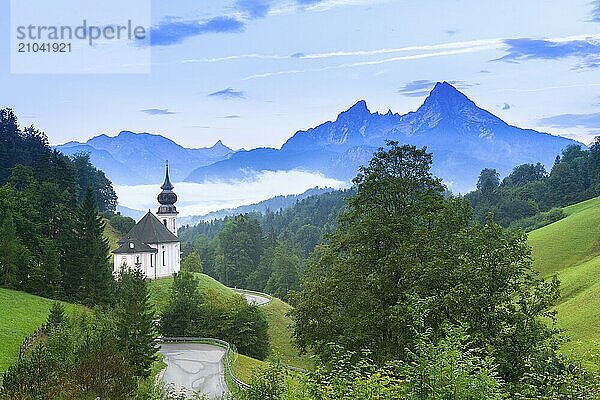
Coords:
pixel 505 106
pixel 231 117
pixel 591 121
pixel 422 87
pixel 172 31
pixel 254 8
pixel 451 32
pixel 587 50
pixel 158 111
pixel 596 10
pixel 228 93
pixel 371 63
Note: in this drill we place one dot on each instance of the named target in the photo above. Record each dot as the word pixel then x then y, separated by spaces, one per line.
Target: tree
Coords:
pixel 182 312
pixel 14 257
pixel 284 279
pixel 405 260
pixel 95 270
pixel 240 245
pixel 192 263
pixel 360 289
pixel 57 315
pixel 135 321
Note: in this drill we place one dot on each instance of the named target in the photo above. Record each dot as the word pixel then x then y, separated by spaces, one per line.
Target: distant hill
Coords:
pixel 139 158
pixel 570 249
pixel 463 138
pixel 130 212
pixel 273 204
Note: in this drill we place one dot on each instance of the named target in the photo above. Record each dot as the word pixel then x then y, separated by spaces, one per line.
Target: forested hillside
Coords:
pixel 530 197
pixel 51 241
pixel 265 252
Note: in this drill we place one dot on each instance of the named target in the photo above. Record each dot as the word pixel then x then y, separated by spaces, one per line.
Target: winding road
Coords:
pixel 195 367
pixel 198 367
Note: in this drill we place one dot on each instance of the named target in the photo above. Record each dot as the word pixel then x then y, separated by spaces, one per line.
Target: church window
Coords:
pixel 137 259
pixel 165 222
pixel 164 258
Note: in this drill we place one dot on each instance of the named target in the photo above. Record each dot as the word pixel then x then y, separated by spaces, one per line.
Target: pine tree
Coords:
pixel 13 255
pixel 97 282
pixel 56 316
pixel 135 318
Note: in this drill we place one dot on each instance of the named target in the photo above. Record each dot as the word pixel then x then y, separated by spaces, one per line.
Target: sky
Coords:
pixel 253 72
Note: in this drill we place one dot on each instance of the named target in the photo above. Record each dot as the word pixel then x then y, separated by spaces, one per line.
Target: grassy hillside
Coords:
pixel 159 289
pixel 111 234
pixel 280 331
pixel 570 248
pixel 280 334
pixel 20 315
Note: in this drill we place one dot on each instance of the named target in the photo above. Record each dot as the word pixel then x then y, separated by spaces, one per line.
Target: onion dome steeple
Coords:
pixel 167 198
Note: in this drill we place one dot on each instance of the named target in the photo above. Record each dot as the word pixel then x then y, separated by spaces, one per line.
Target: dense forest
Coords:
pixel 269 252
pixel 265 252
pixel 51 236
pixel 530 197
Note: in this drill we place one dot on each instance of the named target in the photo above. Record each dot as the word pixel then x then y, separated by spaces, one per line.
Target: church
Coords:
pixel 152 244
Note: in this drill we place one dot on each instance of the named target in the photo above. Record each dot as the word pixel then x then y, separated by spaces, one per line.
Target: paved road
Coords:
pixel 254 298
pixel 195 367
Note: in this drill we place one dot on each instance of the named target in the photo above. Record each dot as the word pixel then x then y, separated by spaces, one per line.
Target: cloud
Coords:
pixel 158 111
pixel 254 8
pixel 200 198
pixel 172 31
pixel 422 87
pixel 596 11
pixel 485 71
pixel 591 121
pixel 371 63
pixel 451 32
pixel 231 117
pixel 308 2
pixel 586 50
pixel 228 93
pixel 505 106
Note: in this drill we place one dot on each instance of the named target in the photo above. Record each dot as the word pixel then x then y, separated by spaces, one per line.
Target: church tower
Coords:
pixel 167 213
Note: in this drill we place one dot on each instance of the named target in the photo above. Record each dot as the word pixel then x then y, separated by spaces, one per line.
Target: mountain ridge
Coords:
pixel 131 158
pixel 463 138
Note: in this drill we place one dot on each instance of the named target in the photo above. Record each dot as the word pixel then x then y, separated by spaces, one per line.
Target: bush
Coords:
pixel 539 220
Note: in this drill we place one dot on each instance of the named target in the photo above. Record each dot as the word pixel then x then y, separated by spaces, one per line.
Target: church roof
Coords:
pixel 167 185
pixel 132 246
pixel 150 230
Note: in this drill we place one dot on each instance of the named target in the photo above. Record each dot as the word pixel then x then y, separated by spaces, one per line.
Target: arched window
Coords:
pixel 165 222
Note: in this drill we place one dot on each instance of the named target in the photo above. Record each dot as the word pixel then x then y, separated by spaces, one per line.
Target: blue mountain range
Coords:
pixel 463 138
pixel 139 158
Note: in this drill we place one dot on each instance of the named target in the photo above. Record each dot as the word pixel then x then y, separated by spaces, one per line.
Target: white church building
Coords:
pixel 152 244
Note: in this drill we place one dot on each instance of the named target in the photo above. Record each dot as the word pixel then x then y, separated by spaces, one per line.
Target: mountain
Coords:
pixel 273 204
pixel 463 138
pixel 139 158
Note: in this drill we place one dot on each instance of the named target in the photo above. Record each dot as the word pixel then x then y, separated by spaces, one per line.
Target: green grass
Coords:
pixel 570 249
pixel 160 289
pixel 111 234
pixel 20 315
pixel 243 367
pixel 280 335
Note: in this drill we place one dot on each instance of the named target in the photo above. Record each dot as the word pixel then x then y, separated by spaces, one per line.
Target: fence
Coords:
pixel 30 340
pixel 229 350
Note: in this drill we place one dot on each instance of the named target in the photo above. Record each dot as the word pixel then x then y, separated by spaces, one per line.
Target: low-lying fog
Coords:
pixel 201 198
